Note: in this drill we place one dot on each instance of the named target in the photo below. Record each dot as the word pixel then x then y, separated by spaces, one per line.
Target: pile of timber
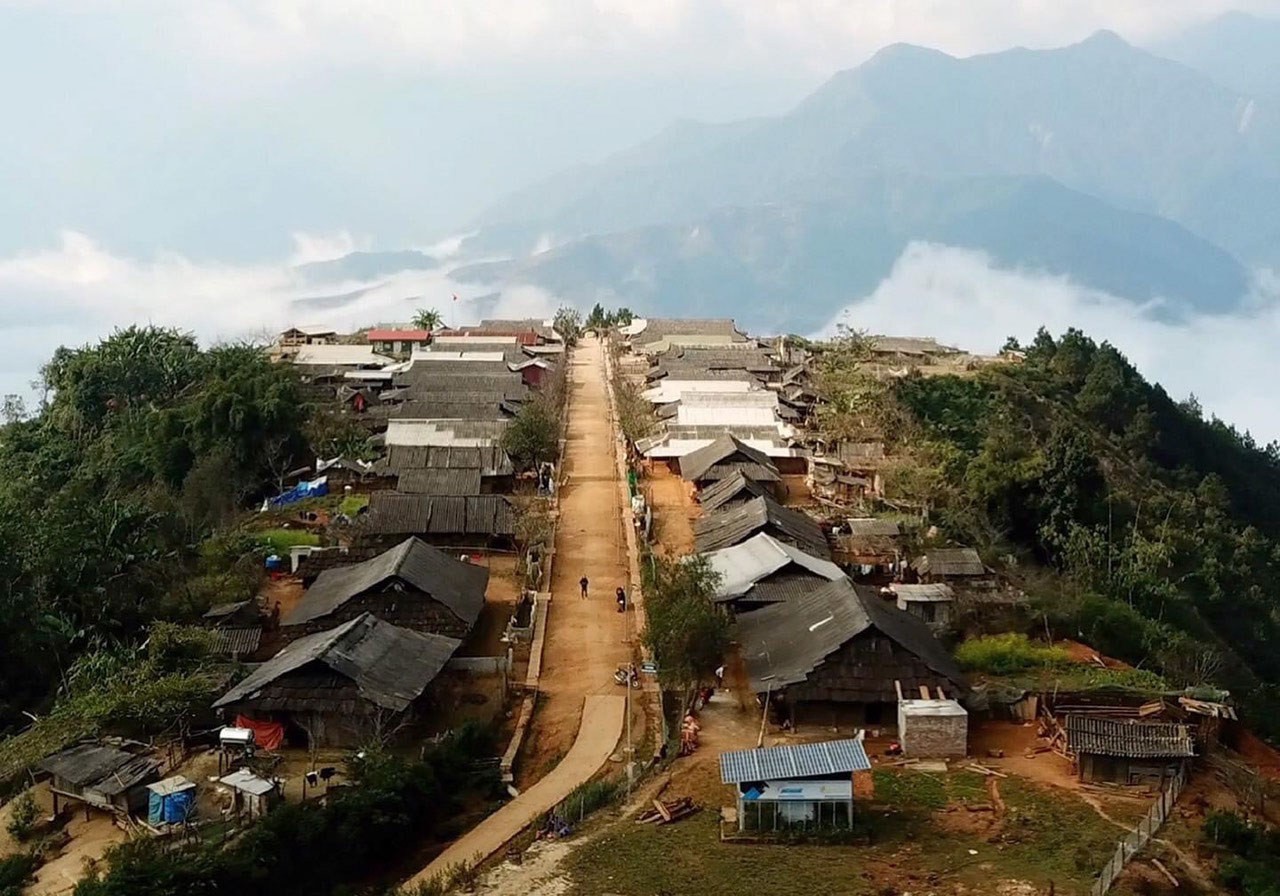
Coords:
pixel 665 813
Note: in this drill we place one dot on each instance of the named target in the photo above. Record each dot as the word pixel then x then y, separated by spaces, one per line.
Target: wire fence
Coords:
pixel 1132 843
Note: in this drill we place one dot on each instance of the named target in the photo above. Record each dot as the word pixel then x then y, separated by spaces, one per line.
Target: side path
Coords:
pixel 580 709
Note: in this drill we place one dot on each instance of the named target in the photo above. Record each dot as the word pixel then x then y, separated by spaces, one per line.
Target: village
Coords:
pixel 488 553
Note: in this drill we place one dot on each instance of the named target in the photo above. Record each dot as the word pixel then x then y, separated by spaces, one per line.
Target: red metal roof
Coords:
pixel 399 335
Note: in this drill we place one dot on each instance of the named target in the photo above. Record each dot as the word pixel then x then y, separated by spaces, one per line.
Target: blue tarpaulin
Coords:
pixel 314 489
pixel 171 801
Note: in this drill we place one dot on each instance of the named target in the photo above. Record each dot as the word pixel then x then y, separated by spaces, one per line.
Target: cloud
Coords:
pixel 311 247
pixel 78 291
pixel 957 295
pixel 800 34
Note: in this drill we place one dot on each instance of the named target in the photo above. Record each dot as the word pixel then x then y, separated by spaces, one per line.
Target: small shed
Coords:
pixel 171 801
pixel 931 604
pixel 101 775
pixel 797 786
pixel 251 795
pixel 944 564
pixel 1128 751
pixel 933 728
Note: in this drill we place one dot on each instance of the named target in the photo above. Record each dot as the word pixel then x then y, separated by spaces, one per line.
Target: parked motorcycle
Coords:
pixel 625 674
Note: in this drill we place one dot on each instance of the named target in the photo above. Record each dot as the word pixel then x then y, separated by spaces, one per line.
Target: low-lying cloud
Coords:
pixel 79 291
pixel 1227 361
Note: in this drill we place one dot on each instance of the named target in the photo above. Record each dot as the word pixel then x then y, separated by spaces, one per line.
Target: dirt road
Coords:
pixel 586 639
pixel 601 726
pixel 579 718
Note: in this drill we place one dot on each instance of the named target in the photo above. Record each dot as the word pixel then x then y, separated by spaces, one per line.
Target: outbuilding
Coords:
pixel 101 775
pixel 932 604
pixel 936 728
pixel 797 786
pixel 251 795
pixel 171 801
pixel 1128 751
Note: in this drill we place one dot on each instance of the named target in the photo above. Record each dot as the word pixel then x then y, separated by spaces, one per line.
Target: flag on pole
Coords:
pixel 455 297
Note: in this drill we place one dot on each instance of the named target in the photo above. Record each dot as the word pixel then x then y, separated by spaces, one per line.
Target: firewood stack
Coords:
pixel 665 813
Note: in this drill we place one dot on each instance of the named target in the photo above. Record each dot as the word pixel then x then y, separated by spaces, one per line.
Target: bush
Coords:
pixel 1252 866
pixel 22 817
pixel 1008 654
pixel 15 871
pixel 588 797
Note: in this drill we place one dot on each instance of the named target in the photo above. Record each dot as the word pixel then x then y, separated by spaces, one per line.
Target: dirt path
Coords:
pixel 586 639
pixel 601 727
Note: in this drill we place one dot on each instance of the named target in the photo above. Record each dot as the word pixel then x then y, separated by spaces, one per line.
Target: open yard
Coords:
pixel 936 833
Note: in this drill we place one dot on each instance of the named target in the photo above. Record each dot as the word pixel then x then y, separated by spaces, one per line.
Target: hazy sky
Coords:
pixel 218 127
pixel 169 160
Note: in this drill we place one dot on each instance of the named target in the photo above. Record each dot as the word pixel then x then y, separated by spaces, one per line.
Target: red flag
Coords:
pixel 455 297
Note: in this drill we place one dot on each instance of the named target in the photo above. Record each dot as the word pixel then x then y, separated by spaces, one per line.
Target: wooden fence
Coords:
pixel 1130 844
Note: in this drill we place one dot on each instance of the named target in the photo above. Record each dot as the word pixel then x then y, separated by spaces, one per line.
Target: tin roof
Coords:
pixel 390 666
pixel 340 356
pixel 733 487
pixel 239 642
pixel 730 527
pixel 246 781
pixel 794 761
pixel 170 786
pixel 386 335
pixel 1128 738
pixel 743 565
pixel 100 767
pixel 870 527
pixel 491 460
pixel 935 593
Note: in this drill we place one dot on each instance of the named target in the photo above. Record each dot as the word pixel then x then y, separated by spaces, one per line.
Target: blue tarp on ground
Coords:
pixel 314 489
pixel 171 808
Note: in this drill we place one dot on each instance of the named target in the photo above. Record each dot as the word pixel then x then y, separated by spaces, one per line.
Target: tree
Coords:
pixel 688 635
pixel 427 319
pixel 533 437
pixel 568 323
pixel 598 319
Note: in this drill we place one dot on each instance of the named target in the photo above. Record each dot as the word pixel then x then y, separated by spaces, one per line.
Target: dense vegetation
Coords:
pixel 1163 527
pixel 684 629
pixel 121 493
pixel 352 839
pixel 1251 854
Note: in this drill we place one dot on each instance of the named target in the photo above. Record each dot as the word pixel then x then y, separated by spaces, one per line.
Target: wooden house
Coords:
pixel 762 571
pixel 1128 751
pixel 414 586
pixel 763 514
pixel 724 457
pixel 341 687
pixel 841 650
pixel 101 775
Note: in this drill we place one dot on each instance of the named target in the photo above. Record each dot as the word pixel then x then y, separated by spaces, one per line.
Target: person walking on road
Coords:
pixel 582 583
pixel 622 599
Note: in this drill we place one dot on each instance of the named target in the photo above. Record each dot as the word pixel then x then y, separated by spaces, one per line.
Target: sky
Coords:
pixel 170 160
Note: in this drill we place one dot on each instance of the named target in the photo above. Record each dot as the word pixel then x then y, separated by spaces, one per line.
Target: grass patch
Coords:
pixel 918 835
pixel 588 797
pixel 353 504
pixel 1007 654
pixel 280 540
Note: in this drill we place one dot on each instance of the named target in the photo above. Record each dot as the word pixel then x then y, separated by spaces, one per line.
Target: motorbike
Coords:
pixel 626 675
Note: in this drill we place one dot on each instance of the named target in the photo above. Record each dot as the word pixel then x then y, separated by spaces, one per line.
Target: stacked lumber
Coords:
pixel 689 735
pixel 665 813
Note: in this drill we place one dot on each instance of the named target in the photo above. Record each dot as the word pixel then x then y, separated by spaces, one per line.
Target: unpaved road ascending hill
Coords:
pixel 586 639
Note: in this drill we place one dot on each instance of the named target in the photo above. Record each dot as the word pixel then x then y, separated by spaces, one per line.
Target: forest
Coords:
pixel 121 495
pixel 1159 527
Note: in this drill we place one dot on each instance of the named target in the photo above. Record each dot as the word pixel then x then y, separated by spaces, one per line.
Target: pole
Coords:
pixel 764 715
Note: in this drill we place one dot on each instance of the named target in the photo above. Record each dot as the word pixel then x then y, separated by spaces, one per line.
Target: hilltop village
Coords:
pixel 636 606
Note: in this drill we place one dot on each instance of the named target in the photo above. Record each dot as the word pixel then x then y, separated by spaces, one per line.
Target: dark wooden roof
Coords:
pixel 458 585
pixel 491 460
pixel 730 527
pixel 393 513
pixel 101 767
pixel 462 481
pixel 783 643
pixel 387 665
pixel 733 487
pixel 731 451
pixel 1128 738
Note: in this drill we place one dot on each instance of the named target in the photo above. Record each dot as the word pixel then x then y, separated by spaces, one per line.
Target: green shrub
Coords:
pixel 1008 654
pixel 22 817
pixel 15 871
pixel 588 797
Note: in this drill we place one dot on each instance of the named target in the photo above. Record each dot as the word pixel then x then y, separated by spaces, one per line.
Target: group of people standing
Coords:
pixel 619 594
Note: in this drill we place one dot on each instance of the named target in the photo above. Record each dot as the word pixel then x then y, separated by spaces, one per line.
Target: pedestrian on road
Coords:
pixel 582 583
pixel 622 599
pixel 719 676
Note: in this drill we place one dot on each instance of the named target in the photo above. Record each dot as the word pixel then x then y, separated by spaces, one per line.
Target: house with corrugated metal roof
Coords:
pixel 474 521
pixel 414 585
pixel 798 787
pixel 840 652
pixel 724 457
pixel 763 571
pixel 732 491
pixel 949 564
pixel 340 687
pixel 763 514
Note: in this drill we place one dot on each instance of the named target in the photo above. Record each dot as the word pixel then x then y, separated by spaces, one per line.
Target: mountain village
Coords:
pixel 717 651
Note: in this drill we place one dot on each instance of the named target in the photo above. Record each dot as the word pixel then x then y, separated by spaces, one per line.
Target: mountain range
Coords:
pixel 1150 178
